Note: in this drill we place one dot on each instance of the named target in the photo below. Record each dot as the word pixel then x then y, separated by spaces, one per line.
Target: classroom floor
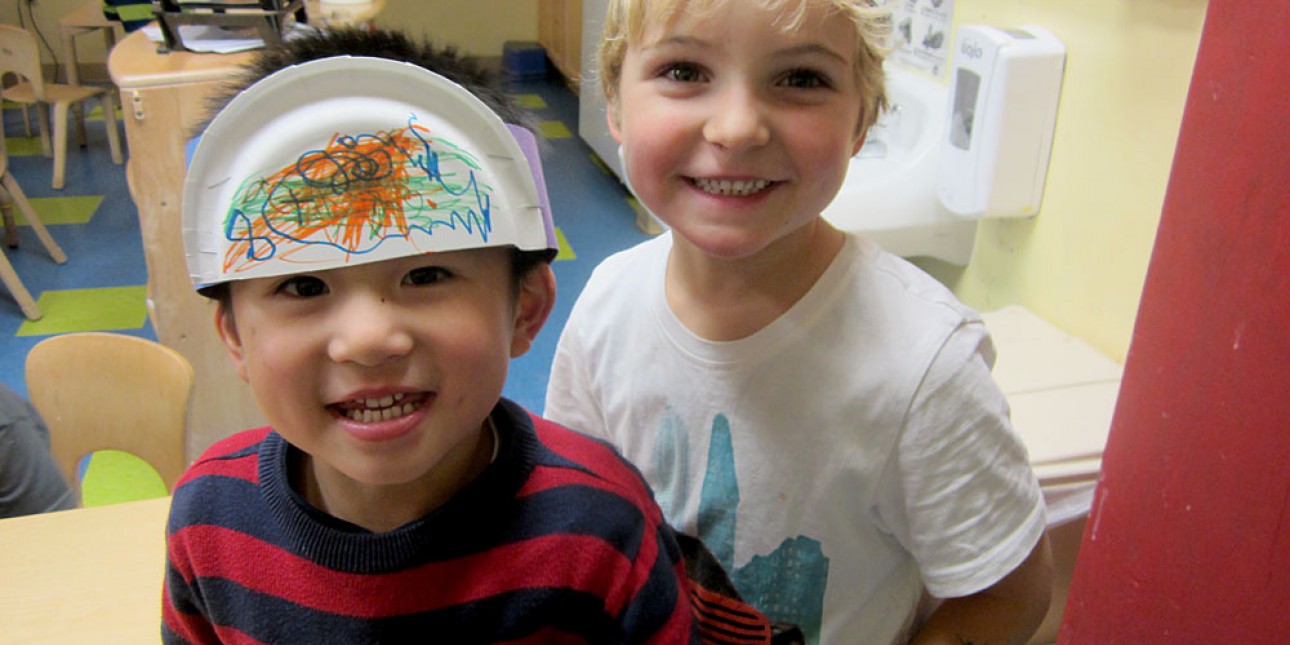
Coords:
pixel 102 285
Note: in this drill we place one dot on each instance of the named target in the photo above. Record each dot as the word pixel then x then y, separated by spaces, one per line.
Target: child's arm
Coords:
pixel 179 627
pixel 569 396
pixel 184 619
pixel 1009 611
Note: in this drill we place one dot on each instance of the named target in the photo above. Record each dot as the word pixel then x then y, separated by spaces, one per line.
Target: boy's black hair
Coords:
pixel 392 45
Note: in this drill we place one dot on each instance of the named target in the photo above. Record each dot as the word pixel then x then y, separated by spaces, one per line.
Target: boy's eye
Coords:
pixel 682 73
pixel 303 286
pixel 805 79
pixel 426 275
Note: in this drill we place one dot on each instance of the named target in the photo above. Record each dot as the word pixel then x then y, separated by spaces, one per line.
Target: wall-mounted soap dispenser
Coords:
pixel 1003 108
pixel 941 158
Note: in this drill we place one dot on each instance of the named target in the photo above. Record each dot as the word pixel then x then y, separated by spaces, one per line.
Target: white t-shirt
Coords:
pixel 842 460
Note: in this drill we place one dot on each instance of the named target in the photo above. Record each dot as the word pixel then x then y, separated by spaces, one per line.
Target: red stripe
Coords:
pixel 196 629
pixel 585 450
pixel 546 478
pixel 616 476
pixel 680 625
pixel 185 624
pixel 593 569
pixel 244 468
pixel 727 609
pixel 210 464
pixel 230 636
pixel 725 620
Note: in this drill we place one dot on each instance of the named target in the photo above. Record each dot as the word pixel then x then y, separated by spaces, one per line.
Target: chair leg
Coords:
pixel 109 121
pixel 10 279
pixel 60 144
pixel 78 115
pixel 42 121
pixel 10 226
pixel 20 198
pixel 6 214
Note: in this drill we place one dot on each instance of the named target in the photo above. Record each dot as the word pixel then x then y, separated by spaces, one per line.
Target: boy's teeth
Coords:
pixel 728 187
pixel 370 415
pixel 374 404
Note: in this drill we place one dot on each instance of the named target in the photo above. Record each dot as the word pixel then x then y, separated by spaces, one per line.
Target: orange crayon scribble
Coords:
pixel 350 192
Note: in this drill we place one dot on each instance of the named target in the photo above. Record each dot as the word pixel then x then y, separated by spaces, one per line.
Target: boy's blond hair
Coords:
pixel 625 22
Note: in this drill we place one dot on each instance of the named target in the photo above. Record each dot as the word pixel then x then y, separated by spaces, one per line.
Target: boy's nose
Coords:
pixel 369 334
pixel 737 121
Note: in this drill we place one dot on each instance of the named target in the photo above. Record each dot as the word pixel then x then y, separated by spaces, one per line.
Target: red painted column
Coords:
pixel 1189 538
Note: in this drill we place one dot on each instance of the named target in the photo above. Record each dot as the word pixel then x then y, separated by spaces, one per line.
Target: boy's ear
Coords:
pixel 536 299
pixel 227 328
pixel 611 116
pixel 855 150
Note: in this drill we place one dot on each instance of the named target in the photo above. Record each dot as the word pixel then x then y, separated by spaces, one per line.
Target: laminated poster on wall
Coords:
pixel 921 35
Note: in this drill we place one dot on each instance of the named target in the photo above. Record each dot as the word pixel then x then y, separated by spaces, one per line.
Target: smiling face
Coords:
pixel 737 132
pixel 385 373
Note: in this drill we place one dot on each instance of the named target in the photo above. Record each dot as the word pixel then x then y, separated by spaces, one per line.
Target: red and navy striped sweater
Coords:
pixel 559 540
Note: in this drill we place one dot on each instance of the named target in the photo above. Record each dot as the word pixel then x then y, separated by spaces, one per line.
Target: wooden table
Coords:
pixel 89 575
pixel 164 97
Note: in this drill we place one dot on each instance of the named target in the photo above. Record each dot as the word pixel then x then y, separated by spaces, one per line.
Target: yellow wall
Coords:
pixel 475 27
pixel 1081 262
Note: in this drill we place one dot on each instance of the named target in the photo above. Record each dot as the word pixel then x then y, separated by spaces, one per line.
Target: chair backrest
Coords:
pixel 107 391
pixel 20 54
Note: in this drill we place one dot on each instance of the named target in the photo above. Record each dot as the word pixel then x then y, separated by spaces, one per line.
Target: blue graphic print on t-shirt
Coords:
pixel 787 584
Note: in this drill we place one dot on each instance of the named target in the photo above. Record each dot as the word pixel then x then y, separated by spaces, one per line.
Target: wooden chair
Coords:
pixel 10 194
pixel 108 391
pixel 20 55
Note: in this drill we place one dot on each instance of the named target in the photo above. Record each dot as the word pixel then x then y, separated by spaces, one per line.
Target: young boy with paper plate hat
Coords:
pixel 378 242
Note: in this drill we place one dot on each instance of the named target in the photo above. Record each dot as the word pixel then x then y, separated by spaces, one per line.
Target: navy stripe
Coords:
pixel 650 609
pixel 238 505
pixel 500 617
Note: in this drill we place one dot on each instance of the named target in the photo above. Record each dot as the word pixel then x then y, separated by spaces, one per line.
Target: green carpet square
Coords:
pixel 113 476
pixel 600 164
pixel 529 101
pixel 23 146
pixel 73 310
pixel 97 114
pixel 554 130
pixel 566 251
pixel 63 210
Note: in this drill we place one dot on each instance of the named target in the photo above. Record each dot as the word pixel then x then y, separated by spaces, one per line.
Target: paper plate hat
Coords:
pixel 348 160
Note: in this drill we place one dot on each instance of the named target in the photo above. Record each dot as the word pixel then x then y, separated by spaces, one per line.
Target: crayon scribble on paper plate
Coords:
pixel 354 194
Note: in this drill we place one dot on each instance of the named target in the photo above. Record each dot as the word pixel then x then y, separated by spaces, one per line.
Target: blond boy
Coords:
pixel 819 412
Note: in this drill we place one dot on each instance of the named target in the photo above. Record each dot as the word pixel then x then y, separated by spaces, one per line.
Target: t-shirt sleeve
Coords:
pixel 30 481
pixel 184 617
pixel 570 398
pixel 973 507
